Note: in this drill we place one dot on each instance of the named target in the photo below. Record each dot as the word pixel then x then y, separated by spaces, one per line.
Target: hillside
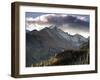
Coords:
pixel 45 44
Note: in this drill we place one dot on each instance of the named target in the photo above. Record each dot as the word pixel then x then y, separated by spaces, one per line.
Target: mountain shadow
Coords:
pixel 43 47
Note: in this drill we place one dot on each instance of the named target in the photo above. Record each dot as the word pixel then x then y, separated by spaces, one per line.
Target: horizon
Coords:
pixel 71 23
pixel 72 34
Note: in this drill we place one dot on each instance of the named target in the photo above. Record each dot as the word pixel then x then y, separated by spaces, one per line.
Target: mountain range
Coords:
pixel 43 44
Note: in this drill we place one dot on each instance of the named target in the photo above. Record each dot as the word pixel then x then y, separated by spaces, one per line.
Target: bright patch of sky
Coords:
pixel 71 23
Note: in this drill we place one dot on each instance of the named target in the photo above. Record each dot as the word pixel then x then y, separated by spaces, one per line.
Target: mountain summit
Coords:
pixel 41 45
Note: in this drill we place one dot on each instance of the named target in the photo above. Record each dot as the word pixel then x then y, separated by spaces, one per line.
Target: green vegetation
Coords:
pixel 68 57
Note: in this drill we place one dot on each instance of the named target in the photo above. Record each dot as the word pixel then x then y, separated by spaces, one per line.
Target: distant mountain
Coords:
pixel 41 45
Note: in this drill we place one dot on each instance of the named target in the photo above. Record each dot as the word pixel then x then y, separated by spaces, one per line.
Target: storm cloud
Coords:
pixel 60 19
pixel 64 21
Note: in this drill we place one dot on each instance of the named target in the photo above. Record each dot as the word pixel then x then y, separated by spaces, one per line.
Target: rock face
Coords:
pixel 43 44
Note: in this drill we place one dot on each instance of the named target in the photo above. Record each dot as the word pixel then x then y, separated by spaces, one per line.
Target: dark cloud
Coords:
pixel 59 20
pixel 71 23
pixel 80 22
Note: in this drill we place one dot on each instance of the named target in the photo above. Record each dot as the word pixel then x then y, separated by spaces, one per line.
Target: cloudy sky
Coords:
pixel 71 23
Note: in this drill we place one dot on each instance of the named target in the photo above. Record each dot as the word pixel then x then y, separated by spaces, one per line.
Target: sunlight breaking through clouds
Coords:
pixel 67 22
